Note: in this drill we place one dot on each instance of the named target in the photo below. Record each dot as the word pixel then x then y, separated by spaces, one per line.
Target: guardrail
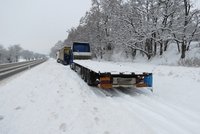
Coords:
pixel 9 69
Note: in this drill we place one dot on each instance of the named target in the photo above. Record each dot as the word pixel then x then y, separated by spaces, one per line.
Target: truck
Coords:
pixel 106 75
pixel 63 55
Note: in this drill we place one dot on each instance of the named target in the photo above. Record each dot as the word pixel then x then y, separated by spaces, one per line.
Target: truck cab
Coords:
pixel 81 51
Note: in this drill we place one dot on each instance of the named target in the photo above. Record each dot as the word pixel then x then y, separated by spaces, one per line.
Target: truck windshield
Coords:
pixel 81 47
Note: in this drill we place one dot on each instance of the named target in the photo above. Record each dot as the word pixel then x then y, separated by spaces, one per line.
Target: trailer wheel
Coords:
pixel 81 73
pixel 72 66
pixel 85 75
pixel 89 78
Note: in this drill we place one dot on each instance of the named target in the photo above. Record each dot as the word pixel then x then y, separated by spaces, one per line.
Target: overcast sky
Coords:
pixel 196 3
pixel 38 24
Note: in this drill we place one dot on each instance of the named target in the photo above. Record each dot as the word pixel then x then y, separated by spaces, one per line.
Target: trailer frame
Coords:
pixel 107 80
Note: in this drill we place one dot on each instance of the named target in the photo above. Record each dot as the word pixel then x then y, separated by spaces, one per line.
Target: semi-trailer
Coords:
pixel 106 75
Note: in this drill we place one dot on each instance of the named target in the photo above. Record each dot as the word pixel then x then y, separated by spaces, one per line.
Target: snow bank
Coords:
pixel 170 57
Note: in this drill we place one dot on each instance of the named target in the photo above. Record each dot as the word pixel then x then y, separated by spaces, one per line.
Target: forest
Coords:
pixel 136 27
pixel 15 52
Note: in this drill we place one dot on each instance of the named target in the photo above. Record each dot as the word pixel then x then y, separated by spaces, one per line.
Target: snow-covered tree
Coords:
pixel 147 26
pixel 27 55
pixel 14 53
pixel 186 25
pixel 55 48
pixel 3 55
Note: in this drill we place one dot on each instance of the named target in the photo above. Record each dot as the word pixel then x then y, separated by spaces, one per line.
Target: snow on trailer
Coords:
pixel 104 67
pixel 107 75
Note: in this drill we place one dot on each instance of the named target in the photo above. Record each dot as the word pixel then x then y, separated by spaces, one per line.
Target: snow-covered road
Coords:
pixel 52 99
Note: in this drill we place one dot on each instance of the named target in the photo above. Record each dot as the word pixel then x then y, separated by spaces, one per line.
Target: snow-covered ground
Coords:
pixel 52 99
pixel 169 57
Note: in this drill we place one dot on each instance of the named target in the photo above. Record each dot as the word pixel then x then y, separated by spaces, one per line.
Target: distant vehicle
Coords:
pixel 63 55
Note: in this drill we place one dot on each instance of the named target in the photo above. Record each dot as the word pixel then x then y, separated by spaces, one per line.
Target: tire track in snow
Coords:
pixel 167 117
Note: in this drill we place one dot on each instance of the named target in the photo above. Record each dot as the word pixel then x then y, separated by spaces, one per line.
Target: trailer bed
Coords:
pixel 111 67
pixel 107 75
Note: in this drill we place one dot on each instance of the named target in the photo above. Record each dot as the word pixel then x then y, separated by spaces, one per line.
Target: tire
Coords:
pixel 85 75
pixel 58 60
pixel 72 66
pixel 89 78
pixel 82 73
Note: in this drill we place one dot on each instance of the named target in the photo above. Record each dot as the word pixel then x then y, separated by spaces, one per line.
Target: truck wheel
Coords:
pixel 82 74
pixel 72 66
pixel 89 78
pixel 85 75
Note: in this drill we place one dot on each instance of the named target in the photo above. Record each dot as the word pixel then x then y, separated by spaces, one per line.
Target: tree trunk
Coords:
pixel 155 48
pixel 153 42
pixel 161 48
pixel 165 45
pixel 178 46
pixel 183 50
pixel 133 53
pixel 184 41
pixel 101 55
pixel 148 45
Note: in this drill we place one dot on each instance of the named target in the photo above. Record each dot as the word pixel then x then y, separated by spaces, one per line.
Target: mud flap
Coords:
pixel 105 82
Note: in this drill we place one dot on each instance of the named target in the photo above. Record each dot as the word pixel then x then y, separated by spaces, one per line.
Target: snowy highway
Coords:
pixel 53 99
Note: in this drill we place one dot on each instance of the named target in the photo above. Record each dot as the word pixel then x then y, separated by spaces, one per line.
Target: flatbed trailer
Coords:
pixel 108 75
